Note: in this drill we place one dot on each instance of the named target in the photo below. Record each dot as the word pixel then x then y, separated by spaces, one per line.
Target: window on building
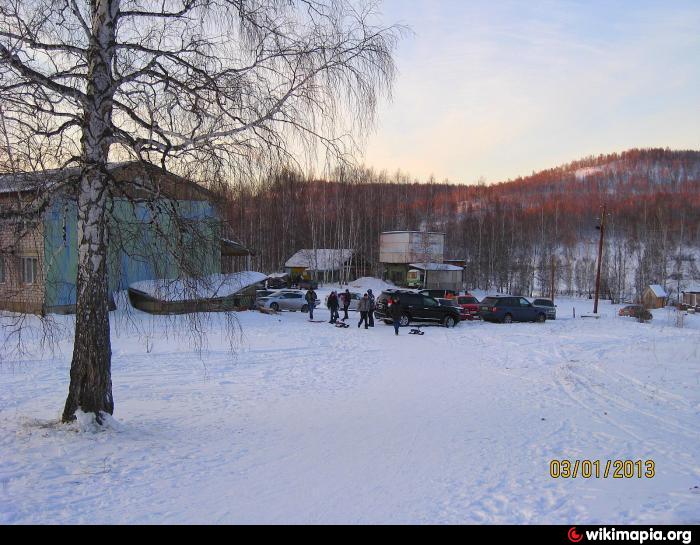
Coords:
pixel 2 269
pixel 30 268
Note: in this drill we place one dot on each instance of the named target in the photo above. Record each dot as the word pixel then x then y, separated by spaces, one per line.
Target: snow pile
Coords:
pixel 375 284
pixel 208 287
pixel 87 422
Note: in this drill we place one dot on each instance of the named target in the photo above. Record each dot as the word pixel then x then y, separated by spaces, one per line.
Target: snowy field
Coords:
pixel 309 423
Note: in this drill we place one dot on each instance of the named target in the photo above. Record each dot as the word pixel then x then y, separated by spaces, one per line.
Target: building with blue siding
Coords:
pixel 161 226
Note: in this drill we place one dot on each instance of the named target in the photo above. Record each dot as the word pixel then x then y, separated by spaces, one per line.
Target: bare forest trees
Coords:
pixel 535 235
pixel 200 87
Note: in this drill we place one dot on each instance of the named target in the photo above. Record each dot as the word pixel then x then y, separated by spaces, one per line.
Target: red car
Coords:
pixel 470 306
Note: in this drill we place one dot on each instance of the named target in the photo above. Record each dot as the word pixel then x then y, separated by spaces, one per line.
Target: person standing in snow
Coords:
pixel 333 307
pixel 363 307
pixel 370 296
pixel 346 303
pixel 396 310
pixel 311 301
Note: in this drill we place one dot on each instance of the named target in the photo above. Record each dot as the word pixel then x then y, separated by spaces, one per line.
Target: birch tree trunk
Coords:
pixel 90 387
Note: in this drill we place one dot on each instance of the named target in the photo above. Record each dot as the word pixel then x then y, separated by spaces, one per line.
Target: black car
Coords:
pixel 550 309
pixel 507 309
pixel 416 308
pixel 439 294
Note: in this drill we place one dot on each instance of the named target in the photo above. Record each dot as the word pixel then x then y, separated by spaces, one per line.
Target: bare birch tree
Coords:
pixel 224 85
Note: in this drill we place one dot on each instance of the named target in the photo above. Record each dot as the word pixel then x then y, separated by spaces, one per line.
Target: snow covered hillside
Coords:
pixel 311 423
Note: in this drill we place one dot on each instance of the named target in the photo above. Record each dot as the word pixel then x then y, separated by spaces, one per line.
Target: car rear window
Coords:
pixel 490 301
pixel 467 300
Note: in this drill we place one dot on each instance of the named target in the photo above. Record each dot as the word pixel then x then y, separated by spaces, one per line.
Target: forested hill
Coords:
pixel 510 233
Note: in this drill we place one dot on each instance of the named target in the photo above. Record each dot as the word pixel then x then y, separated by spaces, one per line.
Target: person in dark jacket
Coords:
pixel 363 307
pixel 346 303
pixel 370 296
pixel 311 301
pixel 333 307
pixel 396 310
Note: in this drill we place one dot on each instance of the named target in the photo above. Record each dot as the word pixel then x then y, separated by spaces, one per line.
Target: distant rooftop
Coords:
pixel 419 232
pixel 435 267
pixel 44 180
pixel 658 290
pixel 321 259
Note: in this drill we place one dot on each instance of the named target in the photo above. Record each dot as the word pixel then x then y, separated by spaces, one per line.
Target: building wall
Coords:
pixel 395 273
pixel 650 300
pixel 144 245
pixel 411 247
pixel 14 294
pixel 448 280
pixel 691 299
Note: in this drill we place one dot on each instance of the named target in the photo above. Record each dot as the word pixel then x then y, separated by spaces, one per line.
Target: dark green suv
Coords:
pixel 415 308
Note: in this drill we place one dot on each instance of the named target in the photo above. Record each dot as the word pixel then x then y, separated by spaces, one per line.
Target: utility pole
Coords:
pixel 600 259
pixel 552 277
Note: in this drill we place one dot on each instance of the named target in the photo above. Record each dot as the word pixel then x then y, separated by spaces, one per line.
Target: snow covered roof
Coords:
pixel 320 259
pixel 658 290
pixel 233 248
pixel 435 267
pixel 693 287
pixel 208 287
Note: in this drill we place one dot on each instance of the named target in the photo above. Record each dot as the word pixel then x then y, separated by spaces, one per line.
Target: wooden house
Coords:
pixel 326 265
pixel 153 216
pixel 654 296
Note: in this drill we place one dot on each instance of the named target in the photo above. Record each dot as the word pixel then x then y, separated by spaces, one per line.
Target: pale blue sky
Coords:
pixel 503 88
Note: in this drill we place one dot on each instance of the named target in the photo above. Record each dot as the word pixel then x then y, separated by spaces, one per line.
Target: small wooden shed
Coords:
pixel 654 296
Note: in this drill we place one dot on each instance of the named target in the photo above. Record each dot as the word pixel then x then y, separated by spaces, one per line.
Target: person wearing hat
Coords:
pixel 332 305
pixel 396 311
pixel 363 307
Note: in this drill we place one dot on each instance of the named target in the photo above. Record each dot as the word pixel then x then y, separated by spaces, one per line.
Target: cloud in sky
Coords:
pixel 499 89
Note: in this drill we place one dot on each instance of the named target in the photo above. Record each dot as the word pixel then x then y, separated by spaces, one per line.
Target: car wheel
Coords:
pixel 449 321
pixel 275 307
pixel 405 320
pixel 541 318
pixel 508 319
pixel 305 308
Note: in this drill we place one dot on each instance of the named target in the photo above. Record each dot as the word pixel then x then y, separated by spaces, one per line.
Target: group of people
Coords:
pixel 365 307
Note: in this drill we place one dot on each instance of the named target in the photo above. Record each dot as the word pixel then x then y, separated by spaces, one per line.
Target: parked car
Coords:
pixel 470 304
pixel 439 294
pixel 548 306
pixel 416 308
pixel 304 284
pixel 278 282
pixel 507 309
pixel 453 303
pixel 354 300
pixel 635 311
pixel 285 300
pixel 264 293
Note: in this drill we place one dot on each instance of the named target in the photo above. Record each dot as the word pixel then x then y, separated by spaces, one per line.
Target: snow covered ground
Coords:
pixel 308 423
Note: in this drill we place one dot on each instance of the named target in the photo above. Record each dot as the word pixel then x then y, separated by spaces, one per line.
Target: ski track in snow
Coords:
pixel 307 423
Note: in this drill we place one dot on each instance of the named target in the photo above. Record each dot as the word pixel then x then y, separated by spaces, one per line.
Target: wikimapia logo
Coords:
pixel 636 536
